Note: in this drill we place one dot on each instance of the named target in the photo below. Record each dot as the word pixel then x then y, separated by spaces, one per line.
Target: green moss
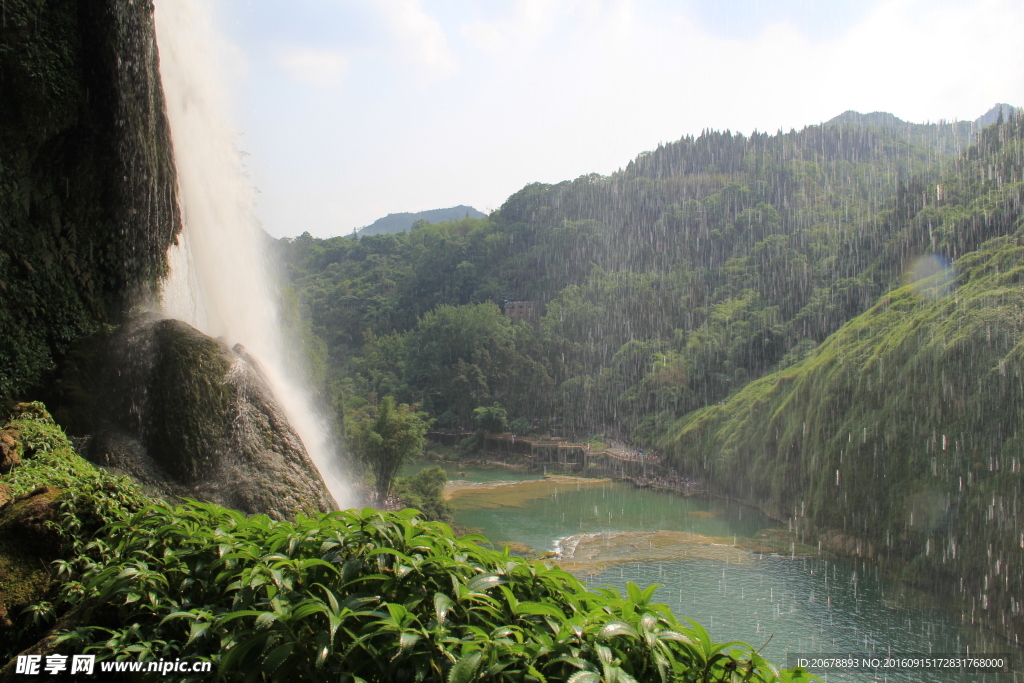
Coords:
pixel 49 459
pixel 190 397
pixel 86 498
pixel 25 575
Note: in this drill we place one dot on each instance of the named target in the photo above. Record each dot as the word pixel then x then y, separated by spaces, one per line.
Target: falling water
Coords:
pixel 220 280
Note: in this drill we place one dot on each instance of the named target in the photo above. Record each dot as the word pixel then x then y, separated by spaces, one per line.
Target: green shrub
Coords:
pixel 366 595
pixel 87 498
pixel 424 491
pixel 352 595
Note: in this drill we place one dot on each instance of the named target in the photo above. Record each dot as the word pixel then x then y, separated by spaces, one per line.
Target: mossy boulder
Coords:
pixel 52 504
pixel 27 546
pixel 193 418
pixel 191 399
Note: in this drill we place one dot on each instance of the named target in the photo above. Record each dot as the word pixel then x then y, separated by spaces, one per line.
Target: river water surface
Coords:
pixel 720 564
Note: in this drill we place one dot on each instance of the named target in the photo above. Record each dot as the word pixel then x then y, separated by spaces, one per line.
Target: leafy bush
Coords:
pixel 366 595
pixel 424 491
pixel 87 499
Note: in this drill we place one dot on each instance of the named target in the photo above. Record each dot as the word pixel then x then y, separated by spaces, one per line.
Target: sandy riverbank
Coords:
pixel 466 494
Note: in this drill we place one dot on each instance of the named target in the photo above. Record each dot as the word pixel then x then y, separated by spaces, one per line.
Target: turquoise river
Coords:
pixel 720 564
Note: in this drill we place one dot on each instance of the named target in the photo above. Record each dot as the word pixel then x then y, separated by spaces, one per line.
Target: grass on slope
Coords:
pixel 903 429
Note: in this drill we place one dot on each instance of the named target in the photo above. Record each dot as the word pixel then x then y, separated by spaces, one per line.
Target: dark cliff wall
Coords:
pixel 87 184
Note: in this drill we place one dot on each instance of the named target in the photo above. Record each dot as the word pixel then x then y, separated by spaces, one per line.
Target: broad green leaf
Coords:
pixel 617 628
pixel 464 670
pixel 408 639
pixel 482 583
pixel 265 620
pixel 197 629
pixel 307 608
pixel 527 607
pixel 277 657
pixel 532 671
pixel 442 605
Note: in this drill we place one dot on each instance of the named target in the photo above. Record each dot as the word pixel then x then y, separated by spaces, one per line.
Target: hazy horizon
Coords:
pixel 351 111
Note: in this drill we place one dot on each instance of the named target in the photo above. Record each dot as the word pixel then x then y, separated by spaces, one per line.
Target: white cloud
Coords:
pixel 527 21
pixel 546 90
pixel 484 35
pixel 421 38
pixel 311 65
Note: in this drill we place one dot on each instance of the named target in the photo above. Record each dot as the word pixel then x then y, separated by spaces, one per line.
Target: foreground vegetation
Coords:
pixel 351 595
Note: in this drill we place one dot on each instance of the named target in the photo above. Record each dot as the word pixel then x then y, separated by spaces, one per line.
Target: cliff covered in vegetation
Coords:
pixel 87 184
pixel 899 438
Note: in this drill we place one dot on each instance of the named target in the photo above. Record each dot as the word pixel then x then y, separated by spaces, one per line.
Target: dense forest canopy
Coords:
pixel 660 289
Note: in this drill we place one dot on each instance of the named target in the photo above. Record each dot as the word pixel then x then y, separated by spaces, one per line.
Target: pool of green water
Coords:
pixel 467 472
pixel 783 603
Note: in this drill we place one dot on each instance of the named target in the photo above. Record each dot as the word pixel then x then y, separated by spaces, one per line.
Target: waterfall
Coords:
pixel 220 279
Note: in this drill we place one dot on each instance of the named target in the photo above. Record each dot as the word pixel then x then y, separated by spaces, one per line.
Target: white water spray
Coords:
pixel 220 280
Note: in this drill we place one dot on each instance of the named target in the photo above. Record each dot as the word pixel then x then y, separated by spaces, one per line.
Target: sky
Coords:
pixel 349 110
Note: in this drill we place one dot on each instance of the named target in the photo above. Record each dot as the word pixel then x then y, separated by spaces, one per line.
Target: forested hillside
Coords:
pixel 902 432
pixel 660 289
pixel 825 323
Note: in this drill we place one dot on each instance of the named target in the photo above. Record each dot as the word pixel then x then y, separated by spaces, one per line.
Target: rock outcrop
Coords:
pixel 27 544
pixel 188 415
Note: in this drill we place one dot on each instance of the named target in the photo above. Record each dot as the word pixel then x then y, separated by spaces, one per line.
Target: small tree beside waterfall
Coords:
pixel 386 438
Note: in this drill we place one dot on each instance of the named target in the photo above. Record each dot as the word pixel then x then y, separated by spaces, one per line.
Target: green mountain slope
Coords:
pixel 660 289
pixel 901 436
pixel 903 432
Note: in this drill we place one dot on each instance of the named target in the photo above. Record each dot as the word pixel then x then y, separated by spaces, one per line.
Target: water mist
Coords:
pixel 220 280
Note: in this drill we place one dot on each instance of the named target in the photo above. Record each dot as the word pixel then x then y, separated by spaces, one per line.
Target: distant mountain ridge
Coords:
pixel 944 137
pixel 887 120
pixel 400 222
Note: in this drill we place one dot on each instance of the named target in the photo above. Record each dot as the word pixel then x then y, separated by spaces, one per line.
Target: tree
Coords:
pixel 386 440
pixel 425 492
pixel 456 356
pixel 493 418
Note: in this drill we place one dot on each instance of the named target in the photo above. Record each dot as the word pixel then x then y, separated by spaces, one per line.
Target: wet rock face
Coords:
pixel 87 177
pixel 193 418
